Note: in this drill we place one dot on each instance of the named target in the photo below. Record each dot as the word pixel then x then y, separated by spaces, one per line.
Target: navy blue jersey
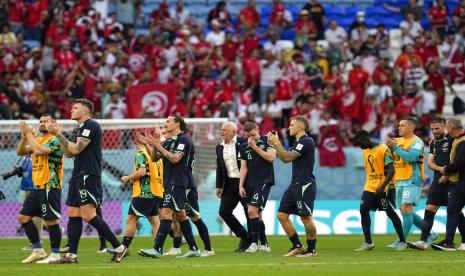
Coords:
pixel 177 174
pixel 302 167
pixel 89 161
pixel 259 171
pixel 441 149
pixel 191 183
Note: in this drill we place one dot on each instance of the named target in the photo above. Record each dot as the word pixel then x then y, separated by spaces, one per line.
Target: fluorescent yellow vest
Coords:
pixel 374 167
pixel 404 170
pixel 40 168
pixel 156 177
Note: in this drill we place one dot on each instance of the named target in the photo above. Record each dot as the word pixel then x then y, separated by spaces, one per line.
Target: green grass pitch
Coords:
pixel 336 257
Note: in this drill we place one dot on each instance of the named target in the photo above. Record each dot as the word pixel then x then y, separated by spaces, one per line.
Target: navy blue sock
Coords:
pixel 103 228
pixel 311 245
pixel 255 229
pixel 186 230
pixel 392 215
pixel 366 224
pixel 262 236
pixel 203 233
pixel 462 227
pixel 177 241
pixel 427 224
pixel 32 234
pixel 127 241
pixel 74 233
pixel 295 241
pixel 163 230
pixel 54 232
pixel 103 241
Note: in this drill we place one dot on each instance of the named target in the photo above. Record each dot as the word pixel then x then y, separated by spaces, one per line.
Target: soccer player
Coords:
pixel 379 192
pixel 85 188
pixel 456 177
pixel 407 151
pixel 256 179
pixel 439 156
pixel 175 153
pixel 45 199
pixel 192 209
pixel 147 187
pixel 300 196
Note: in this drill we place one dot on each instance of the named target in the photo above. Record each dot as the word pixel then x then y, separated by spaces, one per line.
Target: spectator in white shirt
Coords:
pixel 270 72
pixel 179 14
pixel 337 38
pixel 216 36
pixel 410 29
pixel 116 108
pixel 428 98
pixel 164 71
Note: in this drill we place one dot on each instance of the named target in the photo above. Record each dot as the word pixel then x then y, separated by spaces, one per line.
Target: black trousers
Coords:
pixel 229 200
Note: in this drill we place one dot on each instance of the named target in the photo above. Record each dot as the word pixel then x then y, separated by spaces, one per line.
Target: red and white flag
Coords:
pixel 152 98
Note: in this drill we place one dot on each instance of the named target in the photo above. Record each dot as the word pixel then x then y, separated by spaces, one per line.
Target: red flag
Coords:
pixel 351 103
pixel 153 98
pixel 330 148
pixel 406 105
pixel 456 68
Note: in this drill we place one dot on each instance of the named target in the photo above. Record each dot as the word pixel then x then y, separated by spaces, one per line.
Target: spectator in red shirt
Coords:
pixel 427 50
pixel 248 16
pixel 439 18
pixel 381 85
pixel 460 11
pixel 229 48
pixel 36 13
pixel 16 12
pixel 158 17
pixel 65 58
pixel 438 83
pixel 305 28
pixel 219 13
pixel 358 77
pixel 278 20
pixel 251 69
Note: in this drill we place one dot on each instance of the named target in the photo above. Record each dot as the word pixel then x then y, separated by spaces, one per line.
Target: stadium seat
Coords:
pixel 343 3
pixel 266 10
pixel 294 10
pixel 31 43
pixel 376 11
pixel 196 2
pixel 288 34
pixel 371 23
pixel 352 10
pixel 334 11
pixel 366 3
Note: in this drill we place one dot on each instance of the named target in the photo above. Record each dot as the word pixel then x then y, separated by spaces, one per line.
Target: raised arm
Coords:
pixel 283 154
pixel 410 156
pixel 70 149
pixel 269 154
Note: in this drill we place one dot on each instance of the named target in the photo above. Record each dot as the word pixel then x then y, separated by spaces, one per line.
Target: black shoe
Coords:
pixel 243 244
pixel 65 260
pixel 444 245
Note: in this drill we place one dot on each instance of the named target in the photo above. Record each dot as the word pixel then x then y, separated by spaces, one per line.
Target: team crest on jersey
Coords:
pixel 445 147
pixel 262 146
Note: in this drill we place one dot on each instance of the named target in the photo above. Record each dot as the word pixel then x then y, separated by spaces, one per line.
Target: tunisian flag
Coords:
pixel 351 103
pixel 330 148
pixel 153 98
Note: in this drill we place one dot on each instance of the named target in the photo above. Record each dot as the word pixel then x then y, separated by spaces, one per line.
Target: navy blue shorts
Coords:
pixel 83 190
pixel 258 195
pixel 174 198
pixel 143 207
pixel 192 203
pixel 438 194
pixel 298 200
pixel 374 202
pixel 44 203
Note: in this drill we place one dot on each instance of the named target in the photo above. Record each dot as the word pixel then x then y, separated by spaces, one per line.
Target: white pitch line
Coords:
pixel 163 265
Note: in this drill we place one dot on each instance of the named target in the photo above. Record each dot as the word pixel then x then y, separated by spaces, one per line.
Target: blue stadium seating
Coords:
pixel 334 11
pixel 352 10
pixel 376 11
pixel 344 3
pixel 288 34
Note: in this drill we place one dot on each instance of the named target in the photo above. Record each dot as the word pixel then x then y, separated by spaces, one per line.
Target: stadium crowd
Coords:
pixel 341 79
